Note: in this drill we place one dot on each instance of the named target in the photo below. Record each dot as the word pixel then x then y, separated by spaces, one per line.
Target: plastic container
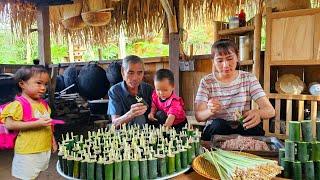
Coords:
pixel 233 22
pixel 244 48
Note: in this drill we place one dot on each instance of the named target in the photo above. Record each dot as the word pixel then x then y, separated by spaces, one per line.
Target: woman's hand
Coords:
pixel 214 105
pixel 251 118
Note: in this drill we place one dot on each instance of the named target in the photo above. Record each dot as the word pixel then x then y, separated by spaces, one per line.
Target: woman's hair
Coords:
pixel 162 74
pixel 25 73
pixel 225 46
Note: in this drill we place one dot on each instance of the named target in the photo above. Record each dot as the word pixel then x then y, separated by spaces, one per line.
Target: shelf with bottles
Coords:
pixel 236 31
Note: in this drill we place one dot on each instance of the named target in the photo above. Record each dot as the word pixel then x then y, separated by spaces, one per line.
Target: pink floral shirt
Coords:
pixel 173 105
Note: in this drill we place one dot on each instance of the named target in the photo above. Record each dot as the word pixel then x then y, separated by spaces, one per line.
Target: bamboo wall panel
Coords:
pixel 292 38
pixel 190 81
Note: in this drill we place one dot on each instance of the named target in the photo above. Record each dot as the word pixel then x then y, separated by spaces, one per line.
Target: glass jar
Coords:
pixel 233 22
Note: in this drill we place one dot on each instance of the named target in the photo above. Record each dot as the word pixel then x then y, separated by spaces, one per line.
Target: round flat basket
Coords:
pixel 208 170
pixel 96 18
pixel 73 23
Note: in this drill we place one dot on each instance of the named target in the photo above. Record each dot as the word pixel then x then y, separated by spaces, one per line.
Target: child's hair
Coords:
pixel 224 46
pixel 25 73
pixel 164 74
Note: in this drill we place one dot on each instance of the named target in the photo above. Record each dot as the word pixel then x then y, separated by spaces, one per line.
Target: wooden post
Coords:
pixel 52 86
pixel 267 57
pixel 100 54
pixel 257 45
pixel 174 44
pixel 215 31
pixel 44 35
pixel 70 49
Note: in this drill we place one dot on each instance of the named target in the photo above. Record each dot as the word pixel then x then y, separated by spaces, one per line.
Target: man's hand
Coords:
pixel 151 117
pixel 251 118
pixel 137 109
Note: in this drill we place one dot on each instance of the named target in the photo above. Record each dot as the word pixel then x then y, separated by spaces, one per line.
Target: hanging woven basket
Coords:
pixel 72 16
pixel 96 18
pixel 287 5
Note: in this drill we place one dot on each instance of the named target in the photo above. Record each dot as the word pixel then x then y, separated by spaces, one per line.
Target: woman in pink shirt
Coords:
pixel 167 108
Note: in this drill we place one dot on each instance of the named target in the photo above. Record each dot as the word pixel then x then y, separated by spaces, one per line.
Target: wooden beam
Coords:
pixel 43 35
pixel 174 44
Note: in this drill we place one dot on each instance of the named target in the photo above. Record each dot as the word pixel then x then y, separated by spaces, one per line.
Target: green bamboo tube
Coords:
pixel 134 166
pixel 190 153
pixel 302 151
pixel 316 151
pixel 177 161
pixel 162 166
pixel 309 170
pixel 306 131
pixel 143 169
pixel 152 168
pixel 184 158
pixel 118 170
pixel 193 146
pixel 288 168
pixel 90 169
pixel 76 168
pixel 171 164
pixel 108 170
pixel 83 169
pixel 281 154
pixel 60 155
pixel 281 162
pixel 294 131
pixel 318 130
pixel 197 148
pixel 289 150
pixel 70 166
pixel 125 170
pixel 297 170
pixel 317 170
pixel 64 165
pixel 99 171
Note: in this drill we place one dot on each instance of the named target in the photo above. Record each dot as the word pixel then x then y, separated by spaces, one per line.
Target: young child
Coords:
pixel 167 108
pixel 35 139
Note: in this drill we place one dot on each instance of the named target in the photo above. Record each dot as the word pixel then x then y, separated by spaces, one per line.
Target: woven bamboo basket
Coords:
pixel 208 170
pixel 73 23
pixel 287 5
pixel 72 16
pixel 96 18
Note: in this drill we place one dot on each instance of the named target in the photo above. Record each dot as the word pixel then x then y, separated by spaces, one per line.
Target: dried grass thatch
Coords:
pixel 136 17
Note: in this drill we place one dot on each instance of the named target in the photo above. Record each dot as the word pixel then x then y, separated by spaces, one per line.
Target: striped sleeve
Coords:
pixel 256 90
pixel 203 92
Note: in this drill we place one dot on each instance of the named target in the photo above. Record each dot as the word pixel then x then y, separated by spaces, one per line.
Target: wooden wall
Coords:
pixel 189 81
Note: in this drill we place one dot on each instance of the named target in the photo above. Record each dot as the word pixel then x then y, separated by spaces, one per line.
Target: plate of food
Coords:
pixel 258 145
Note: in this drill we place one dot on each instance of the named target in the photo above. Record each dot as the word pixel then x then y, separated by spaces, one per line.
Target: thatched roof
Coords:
pixel 136 17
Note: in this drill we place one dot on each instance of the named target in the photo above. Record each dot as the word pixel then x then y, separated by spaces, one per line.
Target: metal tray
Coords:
pixel 273 143
pixel 159 178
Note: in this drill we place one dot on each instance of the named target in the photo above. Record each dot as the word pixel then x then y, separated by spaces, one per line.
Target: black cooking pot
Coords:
pixel 92 82
pixel 8 88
